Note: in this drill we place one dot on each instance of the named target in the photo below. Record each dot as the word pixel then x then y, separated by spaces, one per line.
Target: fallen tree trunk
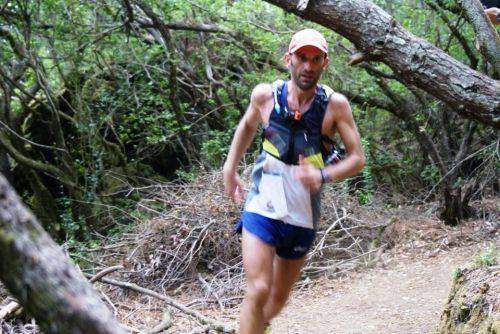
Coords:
pixel 379 37
pixel 37 272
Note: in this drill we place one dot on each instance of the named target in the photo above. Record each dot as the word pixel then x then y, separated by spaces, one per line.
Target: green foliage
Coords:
pixel 456 274
pixel 430 174
pixel 488 258
pixel 186 175
pixel 134 105
pixel 365 193
pixel 69 227
pixel 364 196
pixel 214 150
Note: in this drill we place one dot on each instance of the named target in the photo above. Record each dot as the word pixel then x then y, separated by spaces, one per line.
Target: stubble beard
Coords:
pixel 296 77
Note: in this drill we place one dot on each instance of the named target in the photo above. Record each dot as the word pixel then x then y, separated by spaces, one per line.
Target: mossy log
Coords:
pixel 37 272
pixel 473 306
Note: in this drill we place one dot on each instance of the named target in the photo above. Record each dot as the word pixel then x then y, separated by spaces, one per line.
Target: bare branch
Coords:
pixel 9 309
pixel 37 165
pixel 203 27
pixel 486 34
pixel 357 58
pixel 29 141
pixel 461 39
pixel 170 301
pixel 104 272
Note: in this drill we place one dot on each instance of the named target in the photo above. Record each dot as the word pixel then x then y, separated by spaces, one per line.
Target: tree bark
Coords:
pixel 486 34
pixel 35 270
pixel 375 33
pixel 451 211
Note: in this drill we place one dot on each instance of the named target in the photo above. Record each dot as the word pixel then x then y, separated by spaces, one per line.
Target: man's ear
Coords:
pixel 287 58
pixel 326 62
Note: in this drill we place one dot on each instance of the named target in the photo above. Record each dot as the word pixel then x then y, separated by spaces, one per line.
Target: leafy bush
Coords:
pixel 488 258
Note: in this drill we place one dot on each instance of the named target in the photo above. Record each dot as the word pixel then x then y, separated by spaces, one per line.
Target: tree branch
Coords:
pixel 471 94
pixel 461 39
pixel 18 48
pixel 37 165
pixel 405 111
pixel 486 34
pixel 203 27
pixel 129 10
pixel 466 141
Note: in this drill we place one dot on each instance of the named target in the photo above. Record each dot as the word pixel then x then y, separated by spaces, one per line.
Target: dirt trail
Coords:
pixel 406 296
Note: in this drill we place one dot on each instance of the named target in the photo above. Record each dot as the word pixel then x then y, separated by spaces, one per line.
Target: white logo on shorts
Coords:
pixel 299 249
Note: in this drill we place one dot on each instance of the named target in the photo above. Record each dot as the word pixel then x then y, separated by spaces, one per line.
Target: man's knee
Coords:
pixel 258 291
pixel 279 296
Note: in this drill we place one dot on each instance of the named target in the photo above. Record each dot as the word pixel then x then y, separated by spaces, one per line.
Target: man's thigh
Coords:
pixel 286 272
pixel 258 258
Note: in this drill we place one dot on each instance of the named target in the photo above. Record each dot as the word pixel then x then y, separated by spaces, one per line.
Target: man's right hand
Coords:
pixel 233 186
pixel 261 99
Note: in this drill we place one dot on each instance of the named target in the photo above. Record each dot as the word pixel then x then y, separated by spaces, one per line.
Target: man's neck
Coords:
pixel 300 95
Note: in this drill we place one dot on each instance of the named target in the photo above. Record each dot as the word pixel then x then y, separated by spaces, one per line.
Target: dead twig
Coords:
pixel 213 324
pixel 105 272
pixel 165 324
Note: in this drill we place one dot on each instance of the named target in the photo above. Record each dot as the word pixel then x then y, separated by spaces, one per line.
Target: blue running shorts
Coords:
pixel 291 242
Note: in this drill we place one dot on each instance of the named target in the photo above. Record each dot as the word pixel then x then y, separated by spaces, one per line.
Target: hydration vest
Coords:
pixel 290 134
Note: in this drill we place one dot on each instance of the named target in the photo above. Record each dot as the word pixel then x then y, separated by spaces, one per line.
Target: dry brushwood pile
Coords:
pixel 416 230
pixel 9 310
pixel 191 238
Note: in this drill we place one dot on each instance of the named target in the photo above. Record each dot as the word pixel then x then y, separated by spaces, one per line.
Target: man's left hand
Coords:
pixel 308 175
pixel 493 14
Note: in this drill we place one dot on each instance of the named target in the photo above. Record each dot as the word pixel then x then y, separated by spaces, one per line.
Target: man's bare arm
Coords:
pixel 242 139
pixel 346 127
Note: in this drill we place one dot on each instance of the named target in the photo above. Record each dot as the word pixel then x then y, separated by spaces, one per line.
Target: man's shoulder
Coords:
pixel 338 101
pixel 262 93
pixel 338 108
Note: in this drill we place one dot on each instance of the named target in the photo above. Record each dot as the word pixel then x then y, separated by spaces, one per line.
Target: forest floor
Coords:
pixel 405 293
pixel 401 289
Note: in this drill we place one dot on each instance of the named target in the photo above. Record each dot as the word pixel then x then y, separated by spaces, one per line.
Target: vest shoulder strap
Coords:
pixel 328 90
pixel 277 86
pixel 324 93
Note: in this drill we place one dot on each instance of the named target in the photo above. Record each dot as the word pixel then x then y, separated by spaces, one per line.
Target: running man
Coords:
pixel 282 208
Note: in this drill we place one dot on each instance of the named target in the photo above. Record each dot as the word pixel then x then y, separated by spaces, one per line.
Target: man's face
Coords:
pixel 306 65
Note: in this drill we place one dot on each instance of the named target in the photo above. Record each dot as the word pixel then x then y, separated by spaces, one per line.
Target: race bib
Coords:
pixel 272 195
